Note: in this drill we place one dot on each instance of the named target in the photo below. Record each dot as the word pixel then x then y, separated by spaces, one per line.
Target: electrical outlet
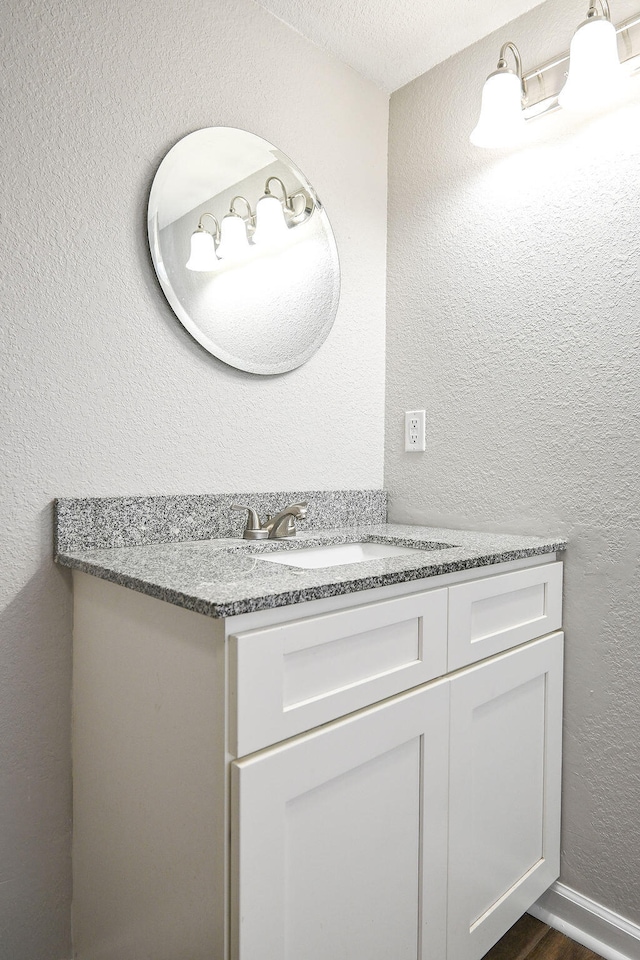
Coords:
pixel 414 431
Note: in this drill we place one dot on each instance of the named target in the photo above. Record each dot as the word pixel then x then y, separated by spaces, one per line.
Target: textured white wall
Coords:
pixel 103 392
pixel 514 319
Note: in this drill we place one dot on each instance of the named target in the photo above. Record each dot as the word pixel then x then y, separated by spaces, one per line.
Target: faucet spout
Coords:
pixel 283 524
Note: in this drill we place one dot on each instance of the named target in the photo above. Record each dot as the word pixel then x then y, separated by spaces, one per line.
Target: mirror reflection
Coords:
pixel 243 250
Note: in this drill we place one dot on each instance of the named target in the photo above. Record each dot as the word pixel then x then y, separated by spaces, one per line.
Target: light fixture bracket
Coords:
pixel 249 218
pixel 504 68
pixel 288 201
pixel 593 10
pixel 203 229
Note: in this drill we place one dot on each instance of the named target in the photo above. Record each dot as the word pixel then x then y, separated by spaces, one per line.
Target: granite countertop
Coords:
pixel 225 577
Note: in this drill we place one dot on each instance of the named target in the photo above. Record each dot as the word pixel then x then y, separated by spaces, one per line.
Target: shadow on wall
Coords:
pixel 35 719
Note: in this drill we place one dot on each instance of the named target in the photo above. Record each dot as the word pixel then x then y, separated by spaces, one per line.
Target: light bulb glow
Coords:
pixel 595 76
pixel 501 122
pixel 234 242
pixel 202 257
pixel 271 225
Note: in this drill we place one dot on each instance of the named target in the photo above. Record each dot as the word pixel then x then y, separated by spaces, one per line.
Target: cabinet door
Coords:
pixel 330 858
pixel 504 827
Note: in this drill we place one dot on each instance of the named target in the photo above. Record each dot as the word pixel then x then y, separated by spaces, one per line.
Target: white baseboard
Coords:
pixel 589 923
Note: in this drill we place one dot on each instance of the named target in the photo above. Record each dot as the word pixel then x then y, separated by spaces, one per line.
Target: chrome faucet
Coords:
pixel 274 528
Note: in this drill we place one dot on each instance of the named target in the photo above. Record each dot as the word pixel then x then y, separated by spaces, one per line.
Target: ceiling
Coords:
pixel 394 41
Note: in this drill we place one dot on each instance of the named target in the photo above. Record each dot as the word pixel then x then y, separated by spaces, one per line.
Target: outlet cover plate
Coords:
pixel 415 431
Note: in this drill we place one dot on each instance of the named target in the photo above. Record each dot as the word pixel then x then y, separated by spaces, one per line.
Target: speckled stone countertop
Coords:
pixel 225 577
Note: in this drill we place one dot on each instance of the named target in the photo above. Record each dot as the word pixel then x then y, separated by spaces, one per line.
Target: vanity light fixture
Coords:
pixel 203 257
pixel 585 79
pixel 595 76
pixel 237 234
pixel 501 122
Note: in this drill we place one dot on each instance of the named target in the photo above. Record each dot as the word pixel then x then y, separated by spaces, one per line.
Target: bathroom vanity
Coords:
pixel 366 773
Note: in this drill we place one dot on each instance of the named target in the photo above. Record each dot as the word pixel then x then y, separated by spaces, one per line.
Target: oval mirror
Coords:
pixel 243 250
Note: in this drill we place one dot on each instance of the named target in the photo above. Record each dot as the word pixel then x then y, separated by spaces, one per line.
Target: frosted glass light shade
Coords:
pixel 501 122
pixel 271 225
pixel 203 252
pixel 234 242
pixel 595 76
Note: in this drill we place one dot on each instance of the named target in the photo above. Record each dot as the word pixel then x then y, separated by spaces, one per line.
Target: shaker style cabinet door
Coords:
pixel 504 826
pixel 339 838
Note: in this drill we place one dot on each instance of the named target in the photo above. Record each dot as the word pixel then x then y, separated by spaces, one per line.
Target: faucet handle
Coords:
pixel 253 529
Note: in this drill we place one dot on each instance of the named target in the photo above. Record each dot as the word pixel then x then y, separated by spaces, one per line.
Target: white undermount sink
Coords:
pixel 334 554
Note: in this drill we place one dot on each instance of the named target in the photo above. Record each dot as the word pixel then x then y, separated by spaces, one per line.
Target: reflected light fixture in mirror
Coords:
pixel 243 250
pixel 238 235
pixel 595 76
pixel 502 122
pixel 271 223
pixel 234 242
pixel 203 256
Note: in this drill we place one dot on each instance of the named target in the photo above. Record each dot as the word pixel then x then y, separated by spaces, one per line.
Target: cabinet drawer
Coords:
pixel 298 675
pixel 491 615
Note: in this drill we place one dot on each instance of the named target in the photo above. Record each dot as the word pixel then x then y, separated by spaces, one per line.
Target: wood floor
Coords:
pixel 529 939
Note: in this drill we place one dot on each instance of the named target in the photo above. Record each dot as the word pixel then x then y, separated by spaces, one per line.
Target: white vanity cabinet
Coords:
pixel 373 775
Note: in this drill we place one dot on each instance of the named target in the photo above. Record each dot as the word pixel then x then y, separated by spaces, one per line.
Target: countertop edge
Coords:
pixel 291 597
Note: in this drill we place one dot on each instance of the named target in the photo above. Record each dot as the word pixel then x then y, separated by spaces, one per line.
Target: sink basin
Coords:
pixel 334 554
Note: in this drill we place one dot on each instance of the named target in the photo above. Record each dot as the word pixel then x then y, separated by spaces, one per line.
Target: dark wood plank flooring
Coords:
pixel 529 939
